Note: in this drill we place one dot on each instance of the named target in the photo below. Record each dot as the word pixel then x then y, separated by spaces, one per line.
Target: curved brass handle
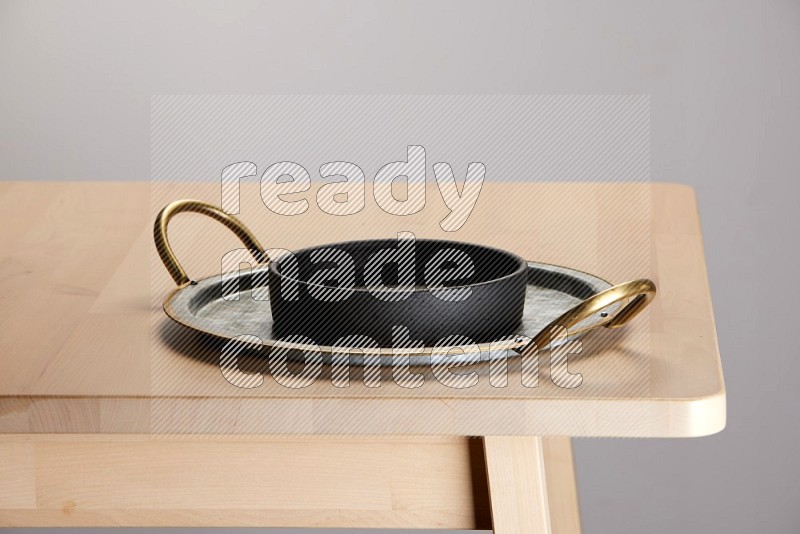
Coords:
pixel 643 291
pixel 180 206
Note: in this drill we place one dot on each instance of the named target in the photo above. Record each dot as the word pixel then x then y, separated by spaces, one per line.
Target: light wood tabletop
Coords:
pixel 93 371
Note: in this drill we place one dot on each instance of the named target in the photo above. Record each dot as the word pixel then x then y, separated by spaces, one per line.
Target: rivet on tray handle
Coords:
pixel 641 291
pixel 195 206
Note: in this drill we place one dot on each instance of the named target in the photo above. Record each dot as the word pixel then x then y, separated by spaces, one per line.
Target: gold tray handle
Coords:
pixel 641 291
pixel 195 206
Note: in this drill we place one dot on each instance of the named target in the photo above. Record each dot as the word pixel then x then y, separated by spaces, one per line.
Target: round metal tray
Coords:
pixel 556 296
pixel 551 291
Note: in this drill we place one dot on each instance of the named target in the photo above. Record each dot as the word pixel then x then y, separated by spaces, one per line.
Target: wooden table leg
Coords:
pixel 531 485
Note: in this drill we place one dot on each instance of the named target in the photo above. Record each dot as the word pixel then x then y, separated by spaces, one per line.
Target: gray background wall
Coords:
pixel 724 78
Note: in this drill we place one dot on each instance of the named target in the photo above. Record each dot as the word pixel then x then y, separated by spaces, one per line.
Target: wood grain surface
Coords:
pixel 129 480
pixel 86 347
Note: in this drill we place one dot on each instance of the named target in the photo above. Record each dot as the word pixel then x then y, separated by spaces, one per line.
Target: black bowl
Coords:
pixel 377 293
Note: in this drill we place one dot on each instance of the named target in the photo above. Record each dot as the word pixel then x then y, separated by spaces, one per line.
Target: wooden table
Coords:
pixel 112 415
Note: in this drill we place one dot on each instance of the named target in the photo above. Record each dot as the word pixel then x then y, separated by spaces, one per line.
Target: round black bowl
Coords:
pixel 374 293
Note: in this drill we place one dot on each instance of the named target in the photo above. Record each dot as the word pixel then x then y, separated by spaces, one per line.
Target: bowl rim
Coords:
pixel 521 265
